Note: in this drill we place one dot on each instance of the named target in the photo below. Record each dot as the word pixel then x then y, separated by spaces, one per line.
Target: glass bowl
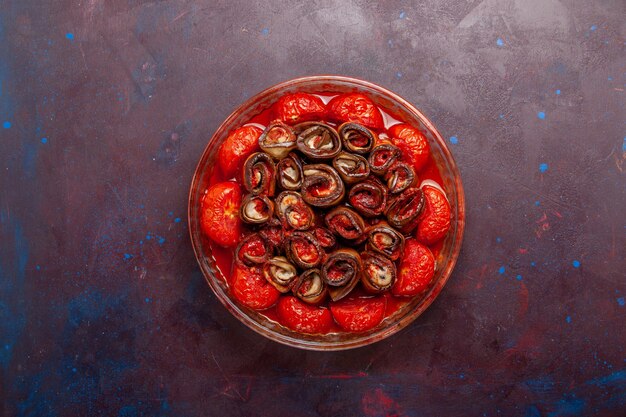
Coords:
pixel 451 182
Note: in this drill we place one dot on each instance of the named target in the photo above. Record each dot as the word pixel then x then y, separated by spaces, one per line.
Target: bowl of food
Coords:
pixel 326 213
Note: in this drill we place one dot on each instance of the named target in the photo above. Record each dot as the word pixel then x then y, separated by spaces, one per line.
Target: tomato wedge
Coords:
pixel 416 271
pixel 357 108
pixel 413 143
pixel 303 317
pixel 239 144
pixel 358 314
pixel 435 219
pixel 299 107
pixel 219 213
pixel 252 289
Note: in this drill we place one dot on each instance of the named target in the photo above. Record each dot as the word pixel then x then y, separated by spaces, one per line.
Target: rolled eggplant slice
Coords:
pixel 341 272
pixel 322 186
pixel 272 231
pixel 356 138
pixel 310 287
pixel 325 237
pixel 256 209
pixel 399 177
pixel 318 141
pixel 281 273
pixel 386 240
pixel 382 157
pixel 352 168
pixel 289 173
pixel 346 223
pixel 259 174
pixel 278 139
pixel 304 250
pixel 369 197
pixel 404 210
pixel 253 250
pixel 379 272
pixel 293 212
pixel 341 267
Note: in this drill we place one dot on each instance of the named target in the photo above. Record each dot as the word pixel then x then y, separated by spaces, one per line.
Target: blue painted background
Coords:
pixel 106 106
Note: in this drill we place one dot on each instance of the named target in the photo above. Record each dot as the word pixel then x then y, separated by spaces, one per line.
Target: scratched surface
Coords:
pixel 106 106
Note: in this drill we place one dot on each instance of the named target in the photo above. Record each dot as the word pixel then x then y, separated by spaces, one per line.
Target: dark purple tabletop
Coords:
pixel 106 107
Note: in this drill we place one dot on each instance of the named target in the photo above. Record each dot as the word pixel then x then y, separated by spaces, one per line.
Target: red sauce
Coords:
pixel 336 272
pixel 260 207
pixel 381 157
pixel 305 250
pixel 255 247
pixel 306 286
pixel 224 257
pixel 321 190
pixel 324 237
pixel 255 180
pixel 394 304
pixel 364 199
pixel 344 223
pixel 264 118
pixel 359 140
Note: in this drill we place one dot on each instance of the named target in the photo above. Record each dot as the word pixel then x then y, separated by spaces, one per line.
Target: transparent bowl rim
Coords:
pixel 388 330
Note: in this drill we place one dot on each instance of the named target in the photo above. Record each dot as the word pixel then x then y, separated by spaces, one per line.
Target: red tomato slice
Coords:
pixel 239 144
pixel 435 219
pixel 355 108
pixel 358 314
pixel 299 107
pixel 416 271
pixel 252 289
pixel 219 213
pixel 413 143
pixel 302 317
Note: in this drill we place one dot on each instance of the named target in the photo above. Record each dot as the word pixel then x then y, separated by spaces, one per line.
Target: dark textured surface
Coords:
pixel 103 310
